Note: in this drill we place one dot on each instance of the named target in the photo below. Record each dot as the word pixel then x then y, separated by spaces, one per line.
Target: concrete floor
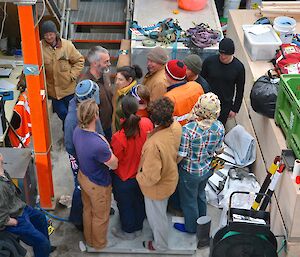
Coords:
pixel 66 237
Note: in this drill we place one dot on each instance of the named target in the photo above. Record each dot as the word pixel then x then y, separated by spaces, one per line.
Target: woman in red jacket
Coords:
pixel 127 145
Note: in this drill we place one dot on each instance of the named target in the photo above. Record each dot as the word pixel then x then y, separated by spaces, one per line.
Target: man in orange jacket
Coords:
pixel 183 94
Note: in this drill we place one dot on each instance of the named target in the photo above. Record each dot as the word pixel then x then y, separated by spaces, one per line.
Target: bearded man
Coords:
pixel 99 63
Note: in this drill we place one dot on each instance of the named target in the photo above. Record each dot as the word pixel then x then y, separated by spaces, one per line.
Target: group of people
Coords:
pixel 143 143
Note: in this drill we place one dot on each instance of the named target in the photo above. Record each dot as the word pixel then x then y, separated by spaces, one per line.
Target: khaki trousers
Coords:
pixel 96 207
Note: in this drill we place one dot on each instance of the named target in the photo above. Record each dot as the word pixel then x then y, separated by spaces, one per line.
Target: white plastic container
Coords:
pixel 285 28
pixel 261 42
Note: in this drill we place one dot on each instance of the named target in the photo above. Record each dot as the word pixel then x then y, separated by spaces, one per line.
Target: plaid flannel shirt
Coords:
pixel 197 146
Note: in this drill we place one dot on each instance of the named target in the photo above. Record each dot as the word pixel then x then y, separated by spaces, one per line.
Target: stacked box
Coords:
pixel 287 114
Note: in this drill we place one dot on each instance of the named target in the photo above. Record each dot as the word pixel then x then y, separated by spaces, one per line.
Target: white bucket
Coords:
pixel 285 27
pixel 230 4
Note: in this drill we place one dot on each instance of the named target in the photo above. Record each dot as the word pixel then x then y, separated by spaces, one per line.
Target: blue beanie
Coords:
pixel 87 89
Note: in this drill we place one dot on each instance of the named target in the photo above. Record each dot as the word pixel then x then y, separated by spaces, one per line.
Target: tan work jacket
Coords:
pixel 156 83
pixel 63 65
pixel 158 173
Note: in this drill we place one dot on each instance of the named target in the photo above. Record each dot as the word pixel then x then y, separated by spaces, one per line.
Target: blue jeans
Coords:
pixel 107 134
pixel 33 230
pixel 192 197
pixel 130 202
pixel 77 207
pixel 61 106
pixel 174 200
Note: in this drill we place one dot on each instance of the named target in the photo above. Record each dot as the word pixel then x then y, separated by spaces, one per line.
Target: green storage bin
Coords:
pixel 287 113
pixel 294 137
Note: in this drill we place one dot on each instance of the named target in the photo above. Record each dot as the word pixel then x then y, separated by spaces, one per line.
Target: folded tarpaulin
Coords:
pixel 242 144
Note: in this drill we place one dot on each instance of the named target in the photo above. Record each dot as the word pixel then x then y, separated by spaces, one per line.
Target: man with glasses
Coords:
pixel 226 77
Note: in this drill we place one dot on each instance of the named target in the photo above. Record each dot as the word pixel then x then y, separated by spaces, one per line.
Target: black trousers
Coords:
pixel 130 202
pixel 225 109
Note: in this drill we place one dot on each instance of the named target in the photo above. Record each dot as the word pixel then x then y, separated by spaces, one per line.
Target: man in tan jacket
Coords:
pixel 158 172
pixel 155 79
pixel 63 64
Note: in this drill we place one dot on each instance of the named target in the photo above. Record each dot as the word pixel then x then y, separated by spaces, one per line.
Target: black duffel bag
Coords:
pixel 263 95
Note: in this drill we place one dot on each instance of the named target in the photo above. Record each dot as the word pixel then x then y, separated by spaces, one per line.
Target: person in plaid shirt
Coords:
pixel 201 138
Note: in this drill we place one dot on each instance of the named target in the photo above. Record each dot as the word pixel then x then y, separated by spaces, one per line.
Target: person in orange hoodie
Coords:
pixel 183 94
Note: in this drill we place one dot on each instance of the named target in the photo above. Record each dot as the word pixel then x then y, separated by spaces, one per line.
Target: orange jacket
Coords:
pixel 24 130
pixel 184 98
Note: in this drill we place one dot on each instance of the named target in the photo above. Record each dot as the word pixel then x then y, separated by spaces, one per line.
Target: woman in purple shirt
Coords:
pixel 95 161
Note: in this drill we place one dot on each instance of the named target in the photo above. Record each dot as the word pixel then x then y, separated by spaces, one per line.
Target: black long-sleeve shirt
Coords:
pixel 225 80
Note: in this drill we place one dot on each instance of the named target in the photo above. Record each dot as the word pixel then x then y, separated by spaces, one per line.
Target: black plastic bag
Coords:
pixel 263 95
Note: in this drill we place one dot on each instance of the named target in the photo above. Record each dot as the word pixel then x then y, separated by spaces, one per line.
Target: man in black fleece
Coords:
pixel 226 77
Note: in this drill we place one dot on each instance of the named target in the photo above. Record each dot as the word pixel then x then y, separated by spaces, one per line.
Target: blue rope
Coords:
pixel 51 215
pixel 174 47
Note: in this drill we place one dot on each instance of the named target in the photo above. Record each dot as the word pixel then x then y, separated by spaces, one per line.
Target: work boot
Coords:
pixel 112 211
pixel 52 248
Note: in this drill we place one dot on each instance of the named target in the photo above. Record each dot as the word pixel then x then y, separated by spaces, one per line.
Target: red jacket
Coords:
pixel 128 151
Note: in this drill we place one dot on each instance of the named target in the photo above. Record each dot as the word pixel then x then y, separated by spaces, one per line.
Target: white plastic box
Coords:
pixel 261 42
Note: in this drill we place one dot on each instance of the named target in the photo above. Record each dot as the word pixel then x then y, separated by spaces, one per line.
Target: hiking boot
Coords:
pixel 112 211
pixel 52 248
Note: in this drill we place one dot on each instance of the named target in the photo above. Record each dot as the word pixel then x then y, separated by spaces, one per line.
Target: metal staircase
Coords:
pixel 99 22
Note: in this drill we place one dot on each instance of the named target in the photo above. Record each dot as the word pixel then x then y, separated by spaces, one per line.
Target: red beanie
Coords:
pixel 176 69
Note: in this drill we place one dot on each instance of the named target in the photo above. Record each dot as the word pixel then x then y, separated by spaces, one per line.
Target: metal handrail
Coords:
pixel 63 19
pixel 67 19
pixel 129 14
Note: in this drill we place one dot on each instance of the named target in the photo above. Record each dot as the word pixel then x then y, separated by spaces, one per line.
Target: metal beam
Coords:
pixel 35 80
pixel 22 2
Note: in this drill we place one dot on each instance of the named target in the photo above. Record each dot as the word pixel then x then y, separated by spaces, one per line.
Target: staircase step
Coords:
pixel 113 38
pixel 99 27
pixel 99 23
pixel 99 10
pixel 114 53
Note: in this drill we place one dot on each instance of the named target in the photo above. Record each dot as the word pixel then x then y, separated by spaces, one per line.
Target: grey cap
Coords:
pixel 158 55
pixel 194 63
pixel 48 26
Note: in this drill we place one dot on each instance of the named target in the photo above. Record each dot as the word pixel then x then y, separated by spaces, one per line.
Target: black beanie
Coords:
pixel 226 46
pixel 48 26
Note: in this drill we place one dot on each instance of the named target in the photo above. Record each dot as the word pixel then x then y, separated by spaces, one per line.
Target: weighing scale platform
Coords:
pixel 179 243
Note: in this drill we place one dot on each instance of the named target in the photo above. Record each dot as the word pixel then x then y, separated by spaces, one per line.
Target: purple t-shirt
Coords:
pixel 92 151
